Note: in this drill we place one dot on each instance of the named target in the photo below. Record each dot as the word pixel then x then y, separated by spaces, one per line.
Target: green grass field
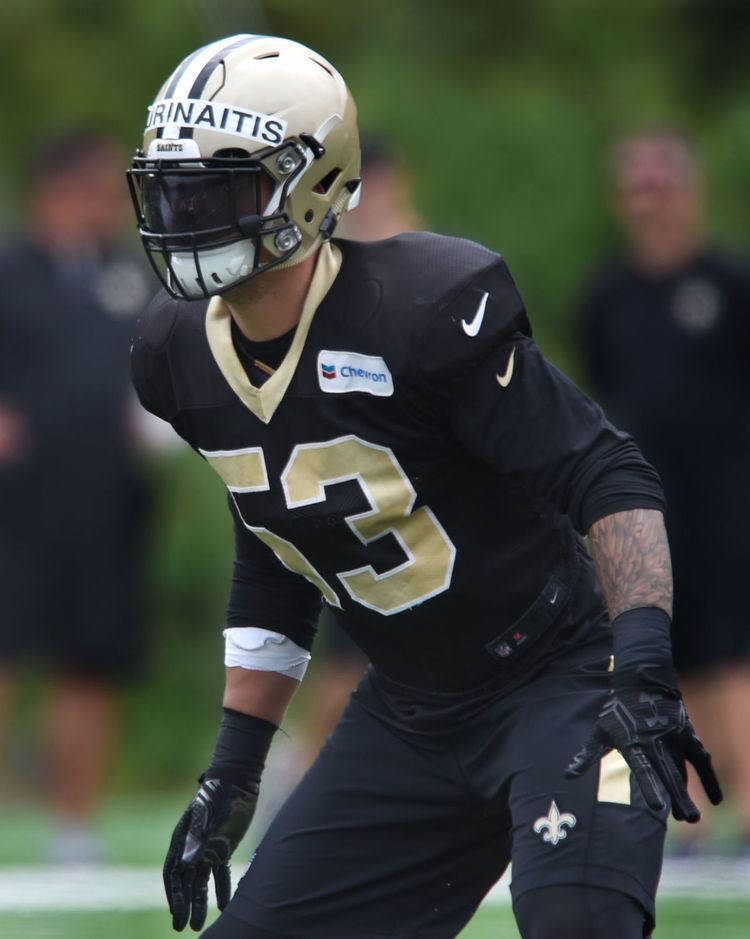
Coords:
pixel 136 831
pixel 683 919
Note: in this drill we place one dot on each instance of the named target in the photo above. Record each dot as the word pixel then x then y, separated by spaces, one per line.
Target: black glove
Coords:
pixel 644 718
pixel 216 820
pixel 204 840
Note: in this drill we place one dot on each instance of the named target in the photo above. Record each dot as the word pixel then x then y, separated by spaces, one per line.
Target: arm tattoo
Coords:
pixel 631 556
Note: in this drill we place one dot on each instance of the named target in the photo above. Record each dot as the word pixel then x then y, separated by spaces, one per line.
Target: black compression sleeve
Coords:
pixel 241 748
pixel 642 637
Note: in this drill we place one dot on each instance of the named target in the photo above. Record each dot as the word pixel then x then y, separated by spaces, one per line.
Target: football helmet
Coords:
pixel 250 156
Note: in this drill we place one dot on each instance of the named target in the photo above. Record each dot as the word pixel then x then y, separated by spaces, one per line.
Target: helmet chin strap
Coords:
pixel 298 258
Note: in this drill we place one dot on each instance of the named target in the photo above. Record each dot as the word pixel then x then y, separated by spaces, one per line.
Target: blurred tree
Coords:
pixel 710 45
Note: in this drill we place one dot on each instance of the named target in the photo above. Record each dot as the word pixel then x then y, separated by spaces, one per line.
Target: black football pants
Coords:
pixel 399 834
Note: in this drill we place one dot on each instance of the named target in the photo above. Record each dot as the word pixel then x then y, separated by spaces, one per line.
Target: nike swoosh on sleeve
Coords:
pixel 472 328
pixel 504 379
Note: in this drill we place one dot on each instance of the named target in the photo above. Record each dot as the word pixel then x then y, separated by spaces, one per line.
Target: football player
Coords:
pixel 394 444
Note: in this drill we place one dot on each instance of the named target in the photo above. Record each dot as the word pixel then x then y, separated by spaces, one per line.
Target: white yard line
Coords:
pixel 27 889
pixel 707 879
pixel 70 887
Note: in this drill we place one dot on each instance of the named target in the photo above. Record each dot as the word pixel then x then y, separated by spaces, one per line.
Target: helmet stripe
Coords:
pixel 180 71
pixel 205 73
pixel 207 70
pixel 189 75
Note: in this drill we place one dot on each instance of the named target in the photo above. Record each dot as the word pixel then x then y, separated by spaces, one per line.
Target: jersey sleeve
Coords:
pixel 265 593
pixel 524 417
pixel 466 325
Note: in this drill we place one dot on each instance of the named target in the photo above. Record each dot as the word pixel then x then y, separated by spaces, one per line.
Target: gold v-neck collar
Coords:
pixel 264 401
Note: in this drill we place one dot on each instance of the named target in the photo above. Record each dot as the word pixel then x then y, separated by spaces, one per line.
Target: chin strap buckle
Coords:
pixel 329 223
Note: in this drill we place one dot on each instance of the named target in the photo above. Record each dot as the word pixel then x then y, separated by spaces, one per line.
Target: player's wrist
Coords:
pixel 657 677
pixel 241 748
pixel 642 640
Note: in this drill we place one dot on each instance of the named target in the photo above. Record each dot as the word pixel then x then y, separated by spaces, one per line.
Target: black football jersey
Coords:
pixel 414 461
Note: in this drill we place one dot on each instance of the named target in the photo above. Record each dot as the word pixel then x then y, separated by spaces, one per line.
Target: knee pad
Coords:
pixel 575 911
pixel 229 927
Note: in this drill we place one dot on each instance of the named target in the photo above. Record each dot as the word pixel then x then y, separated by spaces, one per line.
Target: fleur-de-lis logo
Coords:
pixel 553 824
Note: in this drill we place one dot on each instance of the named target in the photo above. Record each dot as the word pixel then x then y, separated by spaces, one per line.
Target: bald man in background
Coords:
pixel 666 338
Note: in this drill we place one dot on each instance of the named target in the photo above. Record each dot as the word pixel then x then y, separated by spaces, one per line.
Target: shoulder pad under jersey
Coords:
pixel 164 324
pixel 446 302
pixel 155 325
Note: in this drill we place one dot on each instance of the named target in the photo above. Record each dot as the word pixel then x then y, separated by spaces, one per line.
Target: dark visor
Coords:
pixel 175 203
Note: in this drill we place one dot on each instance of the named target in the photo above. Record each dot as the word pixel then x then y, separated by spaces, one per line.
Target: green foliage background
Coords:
pixel 503 110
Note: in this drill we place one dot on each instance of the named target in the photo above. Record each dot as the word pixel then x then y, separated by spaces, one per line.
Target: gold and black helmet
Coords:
pixel 250 156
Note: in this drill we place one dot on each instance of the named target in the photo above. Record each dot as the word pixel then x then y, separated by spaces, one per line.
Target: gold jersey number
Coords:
pixel 430 554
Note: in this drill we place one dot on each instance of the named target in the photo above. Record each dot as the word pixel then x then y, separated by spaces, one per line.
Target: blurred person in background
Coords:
pixel 666 330
pixel 71 497
pixel 386 207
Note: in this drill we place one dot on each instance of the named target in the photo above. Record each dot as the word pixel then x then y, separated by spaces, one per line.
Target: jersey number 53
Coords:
pixel 429 551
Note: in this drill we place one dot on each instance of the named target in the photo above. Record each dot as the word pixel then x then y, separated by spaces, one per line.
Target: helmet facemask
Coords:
pixel 208 224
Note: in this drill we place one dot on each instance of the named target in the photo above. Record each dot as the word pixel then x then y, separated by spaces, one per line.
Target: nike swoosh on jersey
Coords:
pixel 472 328
pixel 504 379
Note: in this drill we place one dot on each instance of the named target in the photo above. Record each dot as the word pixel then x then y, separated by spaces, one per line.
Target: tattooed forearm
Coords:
pixel 631 556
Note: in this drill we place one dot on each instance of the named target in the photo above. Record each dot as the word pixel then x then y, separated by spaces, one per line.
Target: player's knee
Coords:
pixel 229 927
pixel 578 912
